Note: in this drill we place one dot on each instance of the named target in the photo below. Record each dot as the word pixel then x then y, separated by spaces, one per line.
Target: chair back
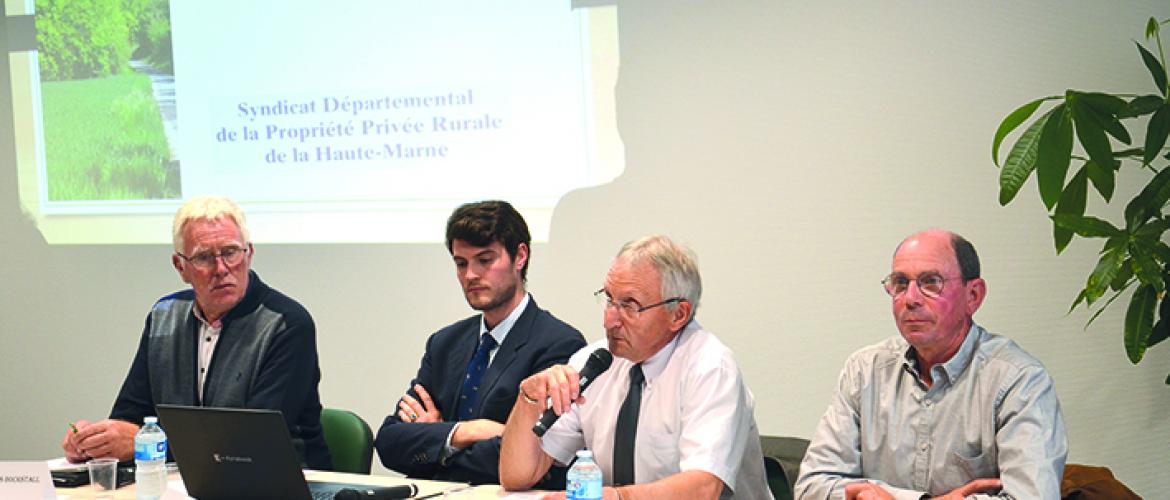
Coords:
pixel 350 441
pixel 782 456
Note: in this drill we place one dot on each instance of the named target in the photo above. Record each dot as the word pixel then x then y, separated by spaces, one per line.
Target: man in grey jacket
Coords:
pixel 228 341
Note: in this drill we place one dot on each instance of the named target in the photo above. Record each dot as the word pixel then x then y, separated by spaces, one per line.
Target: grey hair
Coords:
pixel 677 266
pixel 207 208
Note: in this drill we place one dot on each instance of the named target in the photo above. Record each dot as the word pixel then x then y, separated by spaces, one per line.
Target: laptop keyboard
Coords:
pixel 323 495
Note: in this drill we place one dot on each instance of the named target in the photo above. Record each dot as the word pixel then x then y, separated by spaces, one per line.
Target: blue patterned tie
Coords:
pixel 475 370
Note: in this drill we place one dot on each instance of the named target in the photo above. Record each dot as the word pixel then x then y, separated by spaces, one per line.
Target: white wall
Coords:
pixel 792 144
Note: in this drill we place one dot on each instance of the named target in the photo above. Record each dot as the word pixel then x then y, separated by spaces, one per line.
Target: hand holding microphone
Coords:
pixel 566 387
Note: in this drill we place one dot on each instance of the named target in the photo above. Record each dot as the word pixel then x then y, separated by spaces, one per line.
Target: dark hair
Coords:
pixel 483 222
pixel 966 257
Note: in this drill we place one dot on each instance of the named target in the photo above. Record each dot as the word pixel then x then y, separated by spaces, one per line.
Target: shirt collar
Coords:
pixel 501 330
pixel 655 365
pixel 953 367
pixel 217 326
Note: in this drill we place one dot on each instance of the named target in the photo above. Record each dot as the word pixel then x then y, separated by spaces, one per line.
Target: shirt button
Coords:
pixel 928 403
pixel 923 446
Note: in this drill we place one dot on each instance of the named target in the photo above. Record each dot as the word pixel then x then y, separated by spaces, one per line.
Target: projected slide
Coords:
pixel 351 122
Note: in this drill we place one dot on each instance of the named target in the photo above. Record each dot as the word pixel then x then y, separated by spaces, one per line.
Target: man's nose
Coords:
pixel 913 296
pixel 469 273
pixel 611 316
pixel 221 266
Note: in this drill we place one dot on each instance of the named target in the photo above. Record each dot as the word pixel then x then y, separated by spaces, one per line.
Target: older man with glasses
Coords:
pixel 671 418
pixel 945 409
pixel 262 342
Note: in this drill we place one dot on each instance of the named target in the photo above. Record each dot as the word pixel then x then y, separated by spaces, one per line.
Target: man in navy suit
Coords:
pixel 448 424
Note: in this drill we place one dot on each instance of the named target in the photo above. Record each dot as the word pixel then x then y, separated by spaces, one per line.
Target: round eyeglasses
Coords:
pixel 630 309
pixel 930 284
pixel 207 260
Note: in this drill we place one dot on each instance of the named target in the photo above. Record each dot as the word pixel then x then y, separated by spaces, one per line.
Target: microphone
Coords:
pixel 598 363
pixel 377 492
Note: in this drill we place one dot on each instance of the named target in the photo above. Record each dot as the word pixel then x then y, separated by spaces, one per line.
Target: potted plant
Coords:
pixel 1133 255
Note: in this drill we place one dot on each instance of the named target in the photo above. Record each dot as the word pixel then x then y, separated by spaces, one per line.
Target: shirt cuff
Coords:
pixel 448 450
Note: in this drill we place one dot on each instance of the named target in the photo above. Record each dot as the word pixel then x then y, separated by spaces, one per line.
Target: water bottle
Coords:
pixel 583 482
pixel 150 457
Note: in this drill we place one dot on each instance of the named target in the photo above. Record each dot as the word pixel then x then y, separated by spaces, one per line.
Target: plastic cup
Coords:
pixel 103 476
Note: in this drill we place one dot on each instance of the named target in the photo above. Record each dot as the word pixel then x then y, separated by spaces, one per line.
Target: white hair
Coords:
pixel 207 208
pixel 677 266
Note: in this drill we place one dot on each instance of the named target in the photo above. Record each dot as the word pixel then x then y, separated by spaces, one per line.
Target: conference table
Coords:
pixel 443 490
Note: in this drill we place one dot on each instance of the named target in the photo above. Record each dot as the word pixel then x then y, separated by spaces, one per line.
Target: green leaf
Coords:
pixel 1141 105
pixel 1053 155
pixel 1151 27
pixel 1152 231
pixel 1139 322
pixel 1076 302
pixel 1106 108
pixel 1107 268
pixel 1163 252
pixel 1088 227
pixel 1162 327
pixel 1090 133
pixel 1145 267
pixel 1072 202
pixel 1123 275
pixel 1149 202
pixel 1126 153
pixel 1156 132
pixel 1021 161
pixel 1159 333
pixel 1013 120
pixel 1155 68
pixel 1103 179
pixel 1102 309
pixel 1117 241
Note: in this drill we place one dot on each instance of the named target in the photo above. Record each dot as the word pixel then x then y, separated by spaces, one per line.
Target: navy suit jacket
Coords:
pixel 536 341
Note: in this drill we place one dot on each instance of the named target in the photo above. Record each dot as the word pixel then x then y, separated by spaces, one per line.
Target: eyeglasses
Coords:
pixel 207 260
pixel 628 308
pixel 930 284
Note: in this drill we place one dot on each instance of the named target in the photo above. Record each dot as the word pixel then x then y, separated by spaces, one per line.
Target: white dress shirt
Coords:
pixel 696 414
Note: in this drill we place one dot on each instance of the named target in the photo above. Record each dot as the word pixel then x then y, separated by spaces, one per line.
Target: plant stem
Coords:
pixel 1162 57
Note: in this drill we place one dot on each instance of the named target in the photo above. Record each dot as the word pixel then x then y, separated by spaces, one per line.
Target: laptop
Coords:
pixel 228 453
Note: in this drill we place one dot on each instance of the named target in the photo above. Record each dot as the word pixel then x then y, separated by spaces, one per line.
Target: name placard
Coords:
pixel 25 480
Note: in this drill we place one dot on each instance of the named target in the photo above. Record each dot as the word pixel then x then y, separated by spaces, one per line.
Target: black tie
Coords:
pixel 627 431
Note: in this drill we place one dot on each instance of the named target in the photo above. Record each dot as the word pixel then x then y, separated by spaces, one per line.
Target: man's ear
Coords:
pixel 521 257
pixel 681 315
pixel 177 262
pixel 976 292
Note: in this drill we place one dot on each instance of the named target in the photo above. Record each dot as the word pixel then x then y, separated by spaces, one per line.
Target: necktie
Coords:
pixel 475 371
pixel 627 430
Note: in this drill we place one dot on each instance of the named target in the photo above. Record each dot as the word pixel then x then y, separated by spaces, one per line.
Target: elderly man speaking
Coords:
pixel 671 418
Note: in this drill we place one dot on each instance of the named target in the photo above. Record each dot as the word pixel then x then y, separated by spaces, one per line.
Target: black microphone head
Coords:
pixel 598 362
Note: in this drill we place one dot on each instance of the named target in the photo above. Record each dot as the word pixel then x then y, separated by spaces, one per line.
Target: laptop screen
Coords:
pixel 233 453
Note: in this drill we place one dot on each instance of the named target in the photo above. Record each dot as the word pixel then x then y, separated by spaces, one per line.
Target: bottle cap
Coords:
pixel 585 454
pixel 150 420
